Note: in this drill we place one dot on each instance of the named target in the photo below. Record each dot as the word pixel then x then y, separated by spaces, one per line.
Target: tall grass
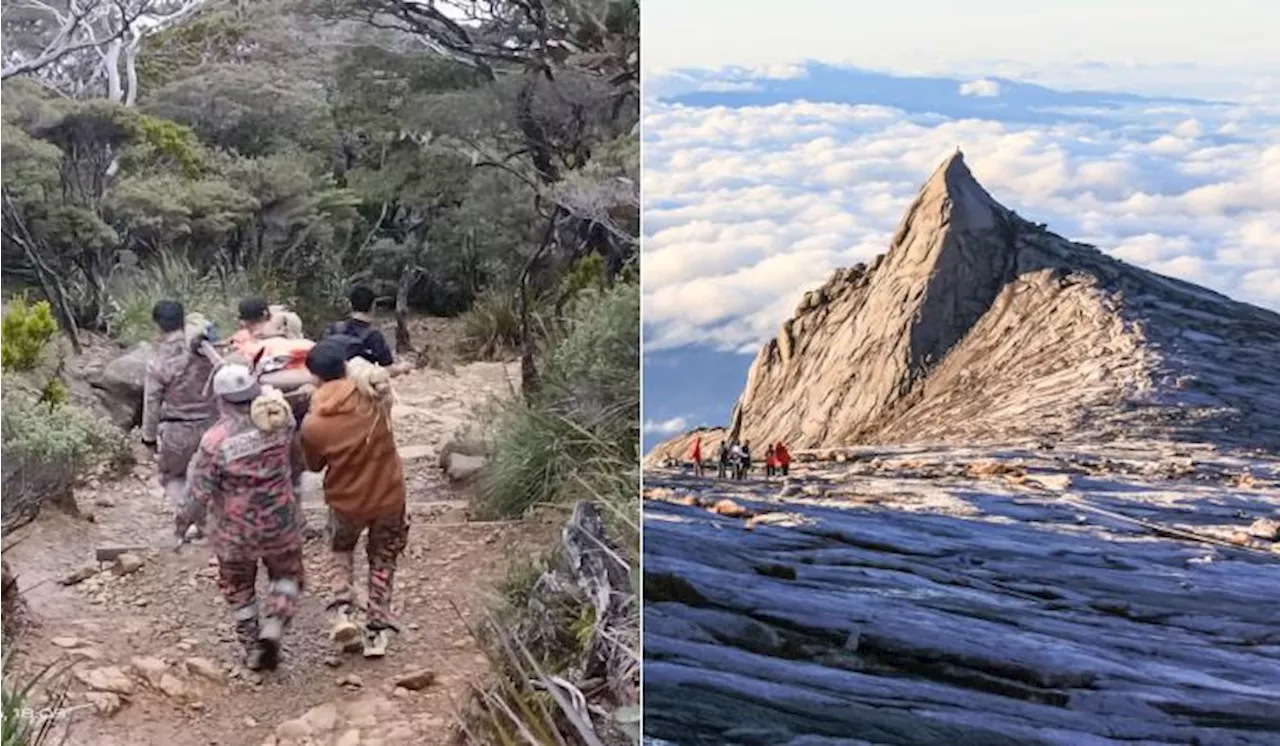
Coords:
pixel 22 724
pixel 579 438
pixel 576 440
pixel 491 328
pixel 216 294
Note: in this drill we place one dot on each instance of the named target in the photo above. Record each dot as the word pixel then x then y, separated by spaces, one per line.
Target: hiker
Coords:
pixel 784 458
pixel 176 407
pixel 255 317
pixel 735 460
pixel 349 433
pixel 770 461
pixel 242 475
pixel 357 333
pixel 723 459
pixel 744 464
pixel 697 456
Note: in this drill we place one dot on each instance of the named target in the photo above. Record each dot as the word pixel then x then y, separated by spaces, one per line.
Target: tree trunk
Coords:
pixel 528 366
pixel 408 277
pixel 131 70
pixel 111 64
pixel 529 379
pixel 50 283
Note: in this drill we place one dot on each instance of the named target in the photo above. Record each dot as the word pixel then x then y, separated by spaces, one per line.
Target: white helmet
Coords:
pixel 236 384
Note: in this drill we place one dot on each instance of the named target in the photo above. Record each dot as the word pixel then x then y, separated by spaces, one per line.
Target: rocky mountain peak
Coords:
pixel 978 324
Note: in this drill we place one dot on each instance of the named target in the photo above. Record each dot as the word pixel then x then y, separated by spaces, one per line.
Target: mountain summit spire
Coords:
pixel 979 325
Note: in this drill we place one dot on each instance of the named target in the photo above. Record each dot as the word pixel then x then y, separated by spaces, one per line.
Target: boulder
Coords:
pixel 463 468
pixel 467 441
pixel 119 385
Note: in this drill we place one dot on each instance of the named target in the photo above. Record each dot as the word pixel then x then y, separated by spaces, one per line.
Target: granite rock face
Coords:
pixel 980 326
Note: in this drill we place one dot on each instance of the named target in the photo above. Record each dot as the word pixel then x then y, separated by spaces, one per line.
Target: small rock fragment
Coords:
pixel 128 563
pixel 1265 528
pixel 731 509
pixel 173 686
pixel 79 576
pixel 321 718
pixel 150 669
pixel 106 703
pixel 204 667
pixel 107 679
pixel 416 680
pixel 293 730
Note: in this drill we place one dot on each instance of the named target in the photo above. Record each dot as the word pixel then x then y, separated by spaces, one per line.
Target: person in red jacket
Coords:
pixel 770 462
pixel 783 456
pixel 697 456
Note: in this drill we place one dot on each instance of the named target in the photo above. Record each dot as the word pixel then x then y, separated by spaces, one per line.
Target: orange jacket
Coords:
pixel 347 433
pixel 783 456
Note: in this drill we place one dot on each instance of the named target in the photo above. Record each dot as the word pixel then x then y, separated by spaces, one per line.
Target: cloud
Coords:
pixel 665 427
pixel 983 87
pixel 746 208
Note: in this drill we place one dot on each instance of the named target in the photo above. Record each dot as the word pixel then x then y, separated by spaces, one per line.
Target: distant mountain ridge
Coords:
pixel 980 326
pixel 1014 101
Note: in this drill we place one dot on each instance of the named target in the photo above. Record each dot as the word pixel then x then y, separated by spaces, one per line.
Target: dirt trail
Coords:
pixel 138 633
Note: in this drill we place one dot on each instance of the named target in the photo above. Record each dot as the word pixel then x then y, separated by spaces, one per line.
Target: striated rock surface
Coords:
pixel 680 448
pixel 938 595
pixel 978 325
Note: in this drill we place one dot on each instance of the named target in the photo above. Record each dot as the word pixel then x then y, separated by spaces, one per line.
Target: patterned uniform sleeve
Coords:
pixel 203 482
pixel 154 386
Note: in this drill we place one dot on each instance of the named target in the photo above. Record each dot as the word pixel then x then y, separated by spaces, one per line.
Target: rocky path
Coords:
pixel 967 596
pixel 149 645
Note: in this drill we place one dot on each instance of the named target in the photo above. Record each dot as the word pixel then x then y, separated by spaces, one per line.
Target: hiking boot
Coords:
pixel 344 631
pixel 264 655
pixel 375 642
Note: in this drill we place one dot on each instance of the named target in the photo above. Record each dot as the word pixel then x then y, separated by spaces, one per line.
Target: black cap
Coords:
pixel 254 309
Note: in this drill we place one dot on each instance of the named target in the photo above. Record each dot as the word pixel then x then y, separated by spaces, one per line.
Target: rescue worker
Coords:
pixel 255 318
pixel 784 458
pixel 242 476
pixel 723 458
pixel 770 461
pixel 177 408
pixel 348 435
pixel 697 457
pixel 744 462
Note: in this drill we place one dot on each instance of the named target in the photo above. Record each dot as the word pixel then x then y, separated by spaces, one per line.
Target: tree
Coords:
pixel 86 47
pixel 562 82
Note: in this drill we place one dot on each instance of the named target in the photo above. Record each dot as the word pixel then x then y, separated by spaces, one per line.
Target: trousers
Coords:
pixel 238 578
pixel 385 540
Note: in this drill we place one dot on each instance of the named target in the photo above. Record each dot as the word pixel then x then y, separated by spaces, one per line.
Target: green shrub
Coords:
pixel 596 363
pixel 27 330
pixel 46 448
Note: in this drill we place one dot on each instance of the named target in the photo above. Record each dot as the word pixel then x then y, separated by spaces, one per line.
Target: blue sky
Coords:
pixel 775 152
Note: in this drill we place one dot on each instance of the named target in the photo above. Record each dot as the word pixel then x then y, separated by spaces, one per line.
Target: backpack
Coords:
pixel 354 341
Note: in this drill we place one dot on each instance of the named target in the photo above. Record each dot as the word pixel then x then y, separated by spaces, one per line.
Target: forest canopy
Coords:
pixel 435 151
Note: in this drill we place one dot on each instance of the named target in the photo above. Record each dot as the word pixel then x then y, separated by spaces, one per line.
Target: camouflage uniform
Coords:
pixel 387 539
pixel 176 410
pixel 245 478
